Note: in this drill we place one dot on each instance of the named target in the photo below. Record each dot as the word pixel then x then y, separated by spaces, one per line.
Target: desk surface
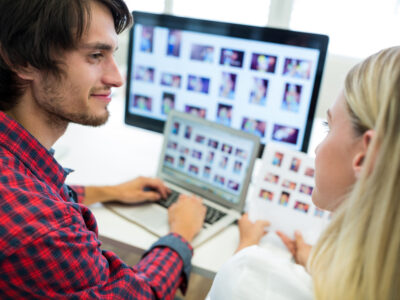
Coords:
pixel 115 153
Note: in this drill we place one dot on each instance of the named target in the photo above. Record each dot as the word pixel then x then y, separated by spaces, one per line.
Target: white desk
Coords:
pixel 115 153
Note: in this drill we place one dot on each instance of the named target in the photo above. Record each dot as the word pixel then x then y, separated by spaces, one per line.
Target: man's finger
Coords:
pixel 298 238
pixel 150 196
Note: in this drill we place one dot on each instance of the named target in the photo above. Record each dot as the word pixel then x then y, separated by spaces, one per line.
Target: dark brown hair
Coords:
pixel 35 32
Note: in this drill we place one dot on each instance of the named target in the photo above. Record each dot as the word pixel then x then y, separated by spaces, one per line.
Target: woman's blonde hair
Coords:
pixel 358 256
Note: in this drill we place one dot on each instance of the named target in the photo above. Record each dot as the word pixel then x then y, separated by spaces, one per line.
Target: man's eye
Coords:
pixel 96 55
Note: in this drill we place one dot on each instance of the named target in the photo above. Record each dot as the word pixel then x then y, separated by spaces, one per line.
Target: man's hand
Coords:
pixel 186 216
pixel 299 249
pixel 133 191
pixel 250 233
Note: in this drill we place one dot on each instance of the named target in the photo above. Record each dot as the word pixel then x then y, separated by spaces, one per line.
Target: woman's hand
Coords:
pixel 299 249
pixel 250 233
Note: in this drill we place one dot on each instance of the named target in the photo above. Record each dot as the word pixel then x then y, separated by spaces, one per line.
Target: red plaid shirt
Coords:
pixel 49 246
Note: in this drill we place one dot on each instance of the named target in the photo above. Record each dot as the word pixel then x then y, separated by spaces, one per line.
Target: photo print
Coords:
pixel 263 63
pixel 266 195
pixel 271 177
pixel 174 43
pixel 254 126
pixel 145 74
pixel 198 84
pixel 167 103
pixel 146 39
pixel 224 114
pixel 297 68
pixel 228 84
pixel 202 53
pixel 285 134
pixel 277 159
pixel 197 111
pixel 284 198
pixel 291 185
pixel 258 94
pixel 184 150
pixel 301 206
pixel 291 97
pixel 319 213
pixel 171 80
pixel 295 164
pixel 306 189
pixel 309 172
pixel 142 102
pixel 232 58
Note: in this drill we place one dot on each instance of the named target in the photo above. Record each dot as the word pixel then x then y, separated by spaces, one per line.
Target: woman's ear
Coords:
pixel 359 158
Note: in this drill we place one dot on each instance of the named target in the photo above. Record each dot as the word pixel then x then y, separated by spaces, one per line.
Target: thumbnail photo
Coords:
pixel 146 39
pixel 284 198
pixel 202 53
pixel 181 162
pixel 175 128
pixel 263 63
pixel 145 74
pixel 291 97
pixel 233 185
pixel 227 148
pixel 237 167
pixel 171 80
pixel 206 172
pixel 197 111
pixel 194 169
pixel 198 84
pixel 167 103
pixel 241 153
pixel 228 84
pixel 297 68
pixel 309 172
pixel 289 184
pixel 285 134
pixel 169 160
pixel 295 164
pixel 277 159
pixel 266 195
pixel 258 94
pixel 213 143
pixel 188 132
pixel 224 114
pixel 232 58
pixel 271 177
pixel 301 206
pixel 254 126
pixel 174 43
pixel 142 102
pixel 306 189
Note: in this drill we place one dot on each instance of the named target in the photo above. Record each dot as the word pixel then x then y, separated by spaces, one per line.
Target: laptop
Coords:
pixel 203 158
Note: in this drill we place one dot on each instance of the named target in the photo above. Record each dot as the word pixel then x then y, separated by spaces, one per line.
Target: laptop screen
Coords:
pixel 207 157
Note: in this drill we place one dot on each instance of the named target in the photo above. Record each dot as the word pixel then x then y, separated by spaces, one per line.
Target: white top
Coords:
pixel 261 273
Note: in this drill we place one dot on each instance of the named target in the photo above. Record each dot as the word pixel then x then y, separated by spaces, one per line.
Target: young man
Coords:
pixel 57 67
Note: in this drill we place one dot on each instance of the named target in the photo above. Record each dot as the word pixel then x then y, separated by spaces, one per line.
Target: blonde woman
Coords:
pixel 357 177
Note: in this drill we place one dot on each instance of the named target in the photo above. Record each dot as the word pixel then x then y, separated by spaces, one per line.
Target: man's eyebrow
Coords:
pixel 99 46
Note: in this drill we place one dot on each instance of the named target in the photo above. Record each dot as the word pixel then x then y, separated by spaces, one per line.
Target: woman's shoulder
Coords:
pixel 260 273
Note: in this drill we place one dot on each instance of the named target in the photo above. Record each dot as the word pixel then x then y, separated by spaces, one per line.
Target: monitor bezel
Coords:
pixel 267 34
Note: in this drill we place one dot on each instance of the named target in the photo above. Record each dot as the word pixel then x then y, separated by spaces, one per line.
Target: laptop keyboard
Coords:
pixel 212 214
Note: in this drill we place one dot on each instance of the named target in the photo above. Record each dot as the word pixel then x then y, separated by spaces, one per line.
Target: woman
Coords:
pixel 358 177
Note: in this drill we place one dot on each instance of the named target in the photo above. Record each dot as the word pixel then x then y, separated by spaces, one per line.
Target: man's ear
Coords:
pixel 359 158
pixel 26 73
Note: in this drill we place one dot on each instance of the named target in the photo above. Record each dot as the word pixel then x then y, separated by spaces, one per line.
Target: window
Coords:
pixel 155 6
pixel 251 12
pixel 356 28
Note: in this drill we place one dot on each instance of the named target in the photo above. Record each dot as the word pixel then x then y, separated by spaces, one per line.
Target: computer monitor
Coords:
pixel 258 79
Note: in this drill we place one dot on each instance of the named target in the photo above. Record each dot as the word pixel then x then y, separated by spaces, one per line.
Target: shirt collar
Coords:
pixel 17 140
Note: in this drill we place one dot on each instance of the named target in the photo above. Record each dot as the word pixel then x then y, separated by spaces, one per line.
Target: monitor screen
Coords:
pixel 261 80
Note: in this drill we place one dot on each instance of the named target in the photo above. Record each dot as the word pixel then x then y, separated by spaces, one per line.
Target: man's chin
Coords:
pixel 93 120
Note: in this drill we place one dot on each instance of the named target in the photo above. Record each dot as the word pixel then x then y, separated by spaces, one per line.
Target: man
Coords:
pixel 57 67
